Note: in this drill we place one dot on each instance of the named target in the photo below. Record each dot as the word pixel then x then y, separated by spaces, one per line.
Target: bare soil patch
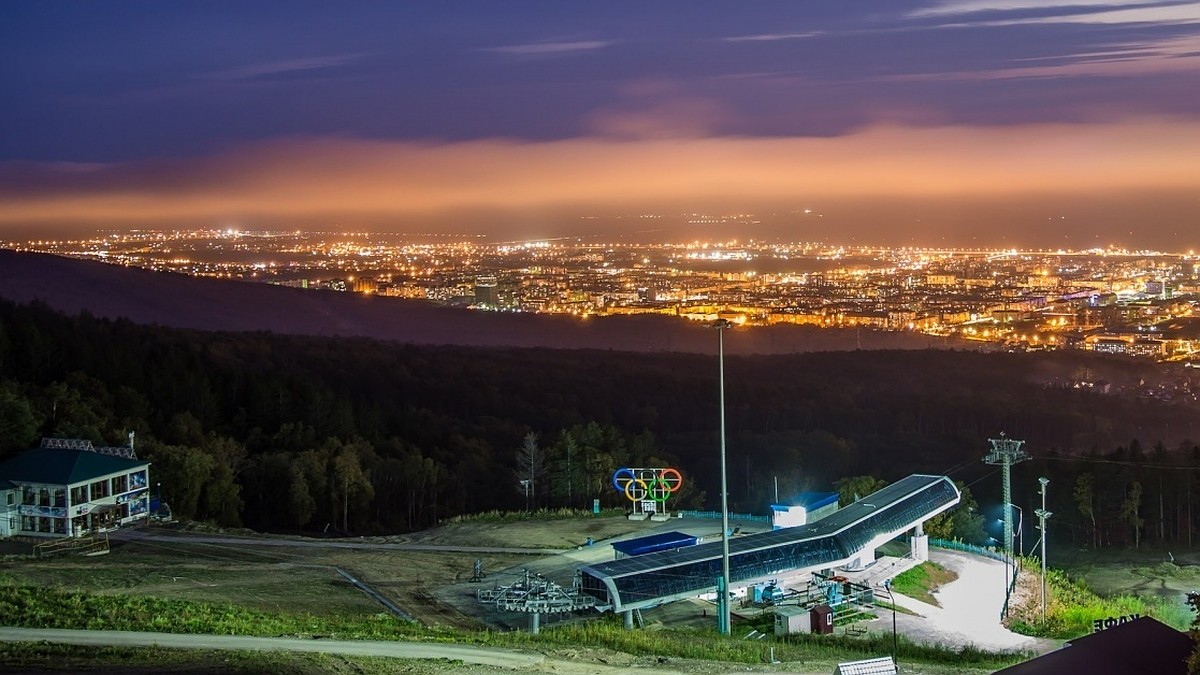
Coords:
pixel 563 533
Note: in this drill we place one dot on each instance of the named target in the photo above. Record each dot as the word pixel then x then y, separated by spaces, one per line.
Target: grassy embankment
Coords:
pixel 53 608
pixel 1072 607
pixel 922 581
pixel 50 658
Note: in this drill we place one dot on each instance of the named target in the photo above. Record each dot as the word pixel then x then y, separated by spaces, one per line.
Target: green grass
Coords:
pixel 707 644
pixel 28 606
pixel 41 607
pixel 1072 608
pixel 921 581
pixel 267 586
pixel 51 658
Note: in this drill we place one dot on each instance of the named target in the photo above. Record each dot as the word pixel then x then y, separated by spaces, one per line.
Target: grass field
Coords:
pixel 235 580
pixel 259 585
pixel 36 659
pixel 922 581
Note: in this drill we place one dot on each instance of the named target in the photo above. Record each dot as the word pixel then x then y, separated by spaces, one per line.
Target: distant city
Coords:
pixel 1138 303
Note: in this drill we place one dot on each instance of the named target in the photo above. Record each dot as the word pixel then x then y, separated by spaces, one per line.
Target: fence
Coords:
pixel 716 515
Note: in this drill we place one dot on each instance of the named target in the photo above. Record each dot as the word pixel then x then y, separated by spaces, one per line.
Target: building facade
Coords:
pixel 68 488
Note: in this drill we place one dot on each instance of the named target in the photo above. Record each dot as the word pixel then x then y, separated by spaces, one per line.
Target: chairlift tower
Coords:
pixel 1006 452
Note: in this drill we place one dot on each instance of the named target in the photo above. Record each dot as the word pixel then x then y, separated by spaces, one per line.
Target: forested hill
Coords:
pixel 280 432
pixel 180 301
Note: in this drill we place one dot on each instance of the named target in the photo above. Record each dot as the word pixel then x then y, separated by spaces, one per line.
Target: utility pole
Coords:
pixel 1042 515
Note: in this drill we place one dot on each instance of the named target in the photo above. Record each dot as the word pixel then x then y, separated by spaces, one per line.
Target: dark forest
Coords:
pixel 287 433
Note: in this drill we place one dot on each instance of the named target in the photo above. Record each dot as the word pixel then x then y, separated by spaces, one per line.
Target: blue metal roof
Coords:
pixel 655 542
pixel 63 467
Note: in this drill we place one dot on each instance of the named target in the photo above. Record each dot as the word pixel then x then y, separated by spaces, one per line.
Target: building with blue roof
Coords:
pixel 70 488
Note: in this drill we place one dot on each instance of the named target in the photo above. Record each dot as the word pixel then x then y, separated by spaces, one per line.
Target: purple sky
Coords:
pixel 989 115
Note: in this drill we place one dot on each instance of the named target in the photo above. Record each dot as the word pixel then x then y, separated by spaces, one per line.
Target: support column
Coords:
pixel 919 547
pixel 629 619
pixel 534 623
pixel 67 501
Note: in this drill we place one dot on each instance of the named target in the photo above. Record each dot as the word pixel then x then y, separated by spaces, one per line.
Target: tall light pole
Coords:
pixel 887 583
pixel 1042 515
pixel 723 588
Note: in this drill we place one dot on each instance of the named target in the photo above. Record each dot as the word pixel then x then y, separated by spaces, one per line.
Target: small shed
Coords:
pixel 663 541
pixel 792 620
pixel 822 619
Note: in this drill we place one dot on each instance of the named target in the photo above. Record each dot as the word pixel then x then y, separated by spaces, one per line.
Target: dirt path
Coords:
pixel 509 659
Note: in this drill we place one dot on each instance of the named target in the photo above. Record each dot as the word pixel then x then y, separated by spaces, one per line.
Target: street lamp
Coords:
pixel 887 584
pixel 1042 515
pixel 723 590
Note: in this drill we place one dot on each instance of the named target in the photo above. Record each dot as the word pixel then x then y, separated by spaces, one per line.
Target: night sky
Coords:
pixel 1061 123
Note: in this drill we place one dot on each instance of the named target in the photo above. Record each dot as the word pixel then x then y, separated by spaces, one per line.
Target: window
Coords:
pixel 120 484
pixel 79 494
pixel 100 489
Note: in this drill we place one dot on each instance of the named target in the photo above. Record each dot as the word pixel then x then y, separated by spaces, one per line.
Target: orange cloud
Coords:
pixel 348 177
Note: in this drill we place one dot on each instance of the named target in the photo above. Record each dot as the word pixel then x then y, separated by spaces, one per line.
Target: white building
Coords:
pixel 68 488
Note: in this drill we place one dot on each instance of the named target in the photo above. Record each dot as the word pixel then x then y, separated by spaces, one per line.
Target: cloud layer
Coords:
pixel 349 177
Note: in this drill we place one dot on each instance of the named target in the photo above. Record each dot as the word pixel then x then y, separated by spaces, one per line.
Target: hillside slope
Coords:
pixel 180 301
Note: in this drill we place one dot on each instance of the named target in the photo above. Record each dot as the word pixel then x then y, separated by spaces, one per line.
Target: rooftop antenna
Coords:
pixel 1006 452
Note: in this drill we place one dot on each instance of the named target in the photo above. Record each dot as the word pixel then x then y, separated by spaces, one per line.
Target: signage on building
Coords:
pixel 46 511
pixel 1100 624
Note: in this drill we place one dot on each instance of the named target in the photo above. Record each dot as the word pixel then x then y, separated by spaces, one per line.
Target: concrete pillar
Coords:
pixel 534 623
pixel 920 547
pixel 629 619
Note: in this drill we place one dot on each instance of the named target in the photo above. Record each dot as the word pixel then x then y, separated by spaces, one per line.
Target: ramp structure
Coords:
pixel 849 536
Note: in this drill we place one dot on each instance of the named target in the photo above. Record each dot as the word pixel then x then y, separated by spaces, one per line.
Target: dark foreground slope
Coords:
pixel 180 301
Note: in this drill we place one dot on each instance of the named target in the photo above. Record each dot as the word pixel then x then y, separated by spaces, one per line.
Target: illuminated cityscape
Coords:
pixel 1141 303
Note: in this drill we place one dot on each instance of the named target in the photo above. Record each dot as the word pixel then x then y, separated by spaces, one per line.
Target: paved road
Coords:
pixel 969 612
pixel 360 544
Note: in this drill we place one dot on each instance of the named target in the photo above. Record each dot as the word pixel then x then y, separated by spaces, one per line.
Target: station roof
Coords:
pixel 63 467
pixel 654 542
pixel 646 580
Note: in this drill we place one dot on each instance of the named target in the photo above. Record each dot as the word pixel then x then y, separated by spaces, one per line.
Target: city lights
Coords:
pixel 1138 303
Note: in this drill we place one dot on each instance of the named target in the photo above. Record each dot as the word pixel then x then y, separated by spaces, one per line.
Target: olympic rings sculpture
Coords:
pixel 644 484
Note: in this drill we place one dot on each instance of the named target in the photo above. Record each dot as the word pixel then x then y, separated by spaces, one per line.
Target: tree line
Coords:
pixel 307 433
